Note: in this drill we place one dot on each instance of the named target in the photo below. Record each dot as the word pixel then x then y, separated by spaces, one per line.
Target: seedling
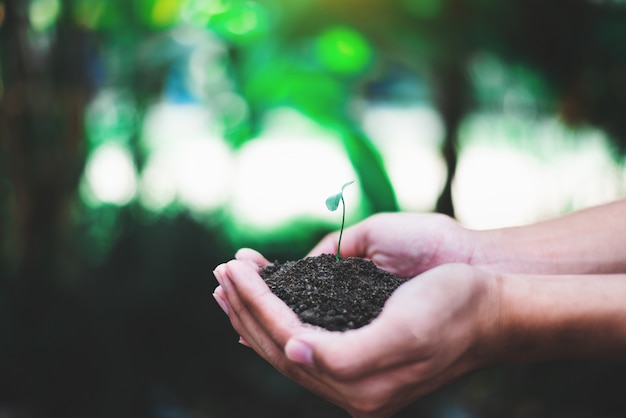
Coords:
pixel 332 203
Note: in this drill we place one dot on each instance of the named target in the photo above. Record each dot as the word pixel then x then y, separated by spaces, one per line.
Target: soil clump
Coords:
pixel 336 295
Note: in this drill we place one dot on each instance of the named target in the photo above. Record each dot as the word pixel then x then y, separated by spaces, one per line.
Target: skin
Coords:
pixel 583 242
pixel 545 291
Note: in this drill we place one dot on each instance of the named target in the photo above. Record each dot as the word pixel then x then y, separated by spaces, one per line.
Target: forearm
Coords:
pixel 589 241
pixel 559 317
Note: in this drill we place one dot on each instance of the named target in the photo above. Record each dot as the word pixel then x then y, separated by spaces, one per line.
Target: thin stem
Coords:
pixel 343 220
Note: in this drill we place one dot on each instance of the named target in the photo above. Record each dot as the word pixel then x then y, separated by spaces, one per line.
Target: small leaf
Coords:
pixel 346 185
pixel 332 203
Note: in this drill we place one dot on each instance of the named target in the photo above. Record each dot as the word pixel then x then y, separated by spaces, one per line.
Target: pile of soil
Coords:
pixel 336 295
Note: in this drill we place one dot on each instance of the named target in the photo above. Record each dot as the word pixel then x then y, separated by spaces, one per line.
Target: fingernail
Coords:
pixel 299 352
pixel 243 342
pixel 219 273
pixel 221 302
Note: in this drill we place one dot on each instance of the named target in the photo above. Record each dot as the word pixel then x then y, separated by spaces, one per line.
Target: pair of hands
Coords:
pixel 436 327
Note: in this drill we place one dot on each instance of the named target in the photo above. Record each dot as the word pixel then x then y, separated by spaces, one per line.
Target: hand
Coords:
pixel 432 330
pixel 402 243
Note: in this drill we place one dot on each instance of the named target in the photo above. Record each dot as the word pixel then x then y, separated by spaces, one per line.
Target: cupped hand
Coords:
pixel 432 330
pixel 404 244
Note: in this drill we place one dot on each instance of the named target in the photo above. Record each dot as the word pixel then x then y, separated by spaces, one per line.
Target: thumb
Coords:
pixel 353 354
pixel 353 243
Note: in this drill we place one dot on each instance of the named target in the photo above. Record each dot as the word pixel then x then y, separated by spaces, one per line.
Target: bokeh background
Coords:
pixel 143 141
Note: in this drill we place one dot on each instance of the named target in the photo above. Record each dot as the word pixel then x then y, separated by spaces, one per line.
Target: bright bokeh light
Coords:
pixel 240 20
pixel 43 14
pixel 158 182
pixel 244 19
pixel 165 12
pixel 409 139
pixel 496 187
pixel 109 176
pixel 500 183
pixel 288 172
pixel 344 50
pixel 188 164
pixel 159 13
pixel 166 124
pixel 199 12
pixel 195 173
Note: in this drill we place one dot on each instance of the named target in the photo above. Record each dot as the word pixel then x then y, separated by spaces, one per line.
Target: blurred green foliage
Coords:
pixel 105 309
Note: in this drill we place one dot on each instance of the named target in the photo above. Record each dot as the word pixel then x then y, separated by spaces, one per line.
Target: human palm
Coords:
pixel 426 336
pixel 403 244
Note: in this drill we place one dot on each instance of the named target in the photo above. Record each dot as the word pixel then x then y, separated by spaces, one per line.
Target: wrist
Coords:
pixel 584 242
pixel 550 317
pixel 488 334
pixel 508 250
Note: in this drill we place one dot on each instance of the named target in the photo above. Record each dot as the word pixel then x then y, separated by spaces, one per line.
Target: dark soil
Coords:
pixel 336 295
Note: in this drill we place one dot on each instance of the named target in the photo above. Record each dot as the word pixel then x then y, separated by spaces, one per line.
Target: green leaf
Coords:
pixel 346 185
pixel 332 202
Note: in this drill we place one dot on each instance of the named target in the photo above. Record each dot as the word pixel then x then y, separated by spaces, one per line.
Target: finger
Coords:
pixel 263 345
pixel 328 245
pixel 382 392
pixel 355 354
pixel 243 323
pixel 220 298
pixel 353 242
pixel 254 335
pixel 264 322
pixel 218 271
pixel 243 342
pixel 255 298
pixel 398 336
pixel 252 256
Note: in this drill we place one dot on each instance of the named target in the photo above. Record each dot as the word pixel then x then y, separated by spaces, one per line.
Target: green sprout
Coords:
pixel 332 203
